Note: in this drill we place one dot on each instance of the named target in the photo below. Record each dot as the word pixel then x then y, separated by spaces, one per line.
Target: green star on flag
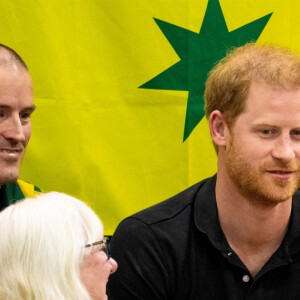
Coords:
pixel 198 53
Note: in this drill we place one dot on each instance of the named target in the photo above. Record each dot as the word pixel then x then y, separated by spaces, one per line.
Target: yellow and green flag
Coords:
pixel 119 90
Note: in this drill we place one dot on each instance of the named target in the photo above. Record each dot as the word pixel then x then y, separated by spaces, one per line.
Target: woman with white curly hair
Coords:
pixel 52 247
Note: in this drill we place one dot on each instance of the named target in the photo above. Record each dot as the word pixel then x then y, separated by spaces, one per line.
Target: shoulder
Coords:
pixel 170 208
pixel 165 218
pixel 28 189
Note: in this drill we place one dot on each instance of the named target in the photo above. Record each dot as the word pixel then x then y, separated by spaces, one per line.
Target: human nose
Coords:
pixel 13 129
pixel 284 149
pixel 114 265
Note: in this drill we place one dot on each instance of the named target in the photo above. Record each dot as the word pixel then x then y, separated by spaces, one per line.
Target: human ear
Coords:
pixel 217 126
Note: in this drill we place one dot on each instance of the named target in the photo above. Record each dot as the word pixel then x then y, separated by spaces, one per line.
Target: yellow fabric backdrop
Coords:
pixel 96 134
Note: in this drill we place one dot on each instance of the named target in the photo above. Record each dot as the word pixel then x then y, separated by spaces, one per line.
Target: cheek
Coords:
pixel 252 150
pixel 104 272
pixel 101 275
pixel 27 133
pixel 297 152
pixel 94 274
pixel 100 267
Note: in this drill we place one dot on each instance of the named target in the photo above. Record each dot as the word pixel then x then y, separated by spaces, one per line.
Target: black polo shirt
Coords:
pixel 177 250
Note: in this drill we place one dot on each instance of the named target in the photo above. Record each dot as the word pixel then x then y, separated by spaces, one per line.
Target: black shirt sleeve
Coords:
pixel 142 272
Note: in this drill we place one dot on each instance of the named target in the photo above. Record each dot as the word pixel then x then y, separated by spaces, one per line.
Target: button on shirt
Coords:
pixel 177 250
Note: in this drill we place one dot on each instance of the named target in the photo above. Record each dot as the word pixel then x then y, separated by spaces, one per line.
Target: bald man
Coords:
pixel 16 107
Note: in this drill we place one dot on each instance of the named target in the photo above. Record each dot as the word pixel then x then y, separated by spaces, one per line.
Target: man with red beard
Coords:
pixel 236 235
pixel 16 107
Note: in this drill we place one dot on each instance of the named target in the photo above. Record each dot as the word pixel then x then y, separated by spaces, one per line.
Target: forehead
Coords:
pixel 263 97
pixel 15 87
pixel 266 103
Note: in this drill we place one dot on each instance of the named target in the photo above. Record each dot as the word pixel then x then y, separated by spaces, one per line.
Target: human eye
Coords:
pixel 3 115
pixel 25 115
pixel 296 133
pixel 25 118
pixel 265 131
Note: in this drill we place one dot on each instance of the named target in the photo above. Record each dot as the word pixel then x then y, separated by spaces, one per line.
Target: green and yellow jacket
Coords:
pixel 14 191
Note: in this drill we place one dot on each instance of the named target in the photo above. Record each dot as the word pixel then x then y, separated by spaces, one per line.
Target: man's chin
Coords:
pixel 272 197
pixel 9 177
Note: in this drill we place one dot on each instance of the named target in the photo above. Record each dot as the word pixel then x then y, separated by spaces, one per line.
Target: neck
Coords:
pixel 254 232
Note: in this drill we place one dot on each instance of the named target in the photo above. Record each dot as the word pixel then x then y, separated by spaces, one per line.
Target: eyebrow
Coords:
pixel 31 108
pixel 263 123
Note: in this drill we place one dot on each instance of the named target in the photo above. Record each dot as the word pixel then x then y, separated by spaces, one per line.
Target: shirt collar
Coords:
pixel 292 238
pixel 207 221
pixel 9 194
pixel 206 215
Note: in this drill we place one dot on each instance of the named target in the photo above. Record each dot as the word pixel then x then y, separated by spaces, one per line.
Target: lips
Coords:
pixel 10 155
pixel 11 150
pixel 281 172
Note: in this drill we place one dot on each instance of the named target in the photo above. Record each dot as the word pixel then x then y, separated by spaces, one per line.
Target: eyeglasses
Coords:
pixel 104 246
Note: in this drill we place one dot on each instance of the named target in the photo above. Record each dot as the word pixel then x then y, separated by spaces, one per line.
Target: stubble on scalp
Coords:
pixel 10 58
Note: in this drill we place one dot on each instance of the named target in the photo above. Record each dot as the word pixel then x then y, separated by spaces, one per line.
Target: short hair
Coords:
pixel 12 58
pixel 228 82
pixel 42 247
